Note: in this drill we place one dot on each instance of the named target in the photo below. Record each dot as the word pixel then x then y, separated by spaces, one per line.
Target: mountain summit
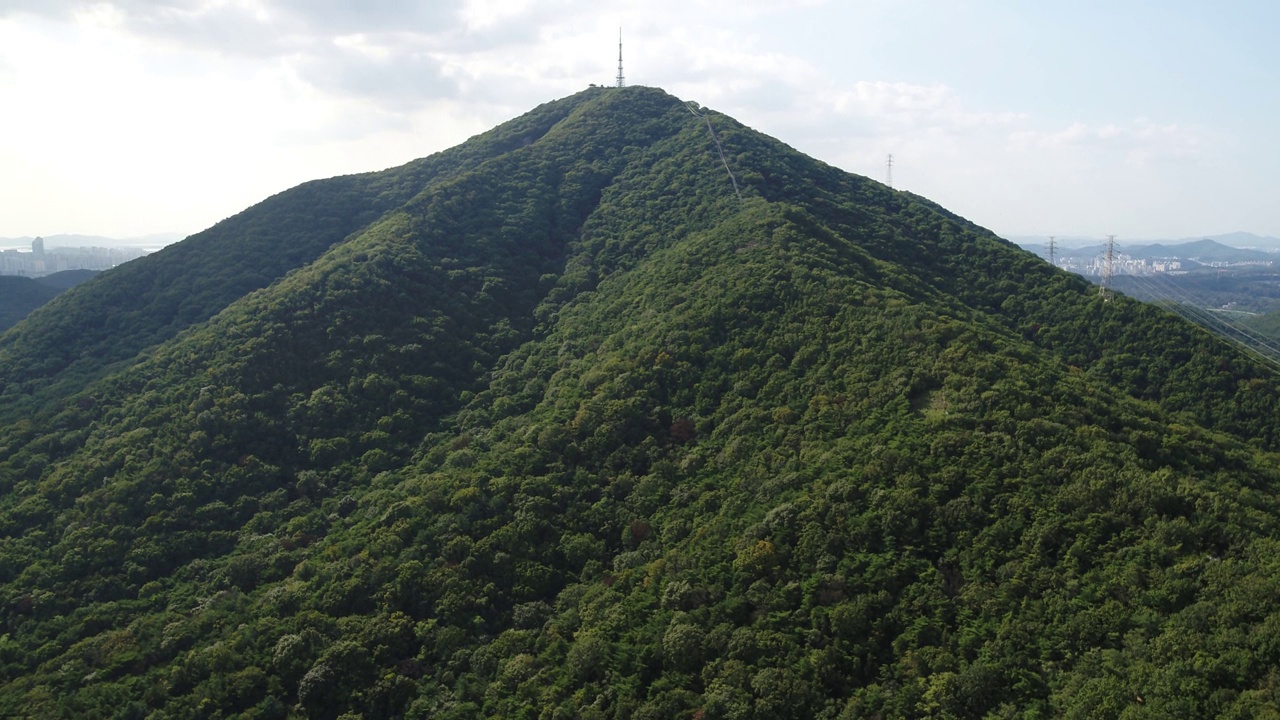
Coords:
pixel 570 422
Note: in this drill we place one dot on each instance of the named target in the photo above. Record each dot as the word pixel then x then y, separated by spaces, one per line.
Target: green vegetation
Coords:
pixel 69 342
pixel 1267 325
pixel 552 425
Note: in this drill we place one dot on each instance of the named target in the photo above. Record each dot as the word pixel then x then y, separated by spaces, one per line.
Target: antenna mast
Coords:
pixel 622 81
pixel 1053 247
pixel 888 171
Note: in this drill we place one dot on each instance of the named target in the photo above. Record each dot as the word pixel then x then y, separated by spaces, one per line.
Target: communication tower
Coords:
pixel 1053 247
pixel 1108 268
pixel 888 171
pixel 622 80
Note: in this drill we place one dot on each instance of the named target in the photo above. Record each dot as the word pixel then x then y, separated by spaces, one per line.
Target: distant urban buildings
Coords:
pixel 41 261
pixel 1121 265
pixel 1126 265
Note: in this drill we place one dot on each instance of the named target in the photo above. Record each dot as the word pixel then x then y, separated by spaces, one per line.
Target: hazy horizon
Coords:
pixel 159 240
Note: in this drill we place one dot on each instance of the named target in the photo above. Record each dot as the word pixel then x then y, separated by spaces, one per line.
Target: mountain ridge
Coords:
pixel 188 292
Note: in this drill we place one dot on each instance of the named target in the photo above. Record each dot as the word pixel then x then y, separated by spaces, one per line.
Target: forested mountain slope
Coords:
pixel 153 298
pixel 554 424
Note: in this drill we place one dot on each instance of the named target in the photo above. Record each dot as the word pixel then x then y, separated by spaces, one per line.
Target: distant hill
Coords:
pixel 66 279
pixel 602 415
pixel 1202 251
pixel 20 295
pixel 1241 240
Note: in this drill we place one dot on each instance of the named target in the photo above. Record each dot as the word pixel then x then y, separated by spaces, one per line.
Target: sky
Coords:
pixel 1155 119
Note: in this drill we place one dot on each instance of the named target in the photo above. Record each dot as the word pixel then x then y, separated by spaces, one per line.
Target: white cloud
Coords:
pixel 1140 142
pixel 196 108
pixel 189 146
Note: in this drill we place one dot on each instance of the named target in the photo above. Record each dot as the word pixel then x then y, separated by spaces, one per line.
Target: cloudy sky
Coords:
pixel 1145 119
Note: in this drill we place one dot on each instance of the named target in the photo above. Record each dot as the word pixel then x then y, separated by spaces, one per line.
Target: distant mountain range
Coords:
pixel 156 240
pixel 1204 251
pixel 1247 240
pixel 1239 240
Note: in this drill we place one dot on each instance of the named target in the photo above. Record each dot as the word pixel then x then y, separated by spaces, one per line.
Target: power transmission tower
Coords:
pixel 1108 269
pixel 888 171
pixel 622 80
pixel 1053 248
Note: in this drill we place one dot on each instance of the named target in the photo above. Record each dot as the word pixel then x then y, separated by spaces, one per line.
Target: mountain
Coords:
pixel 1242 240
pixel 567 421
pixel 1202 251
pixel 20 295
pixel 65 279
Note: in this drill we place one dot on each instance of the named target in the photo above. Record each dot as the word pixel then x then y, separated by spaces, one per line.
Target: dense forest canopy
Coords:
pixel 555 424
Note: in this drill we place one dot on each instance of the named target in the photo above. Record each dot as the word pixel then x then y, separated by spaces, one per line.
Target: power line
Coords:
pixel 1201 309
pixel 688 106
pixel 1193 309
pixel 1182 304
